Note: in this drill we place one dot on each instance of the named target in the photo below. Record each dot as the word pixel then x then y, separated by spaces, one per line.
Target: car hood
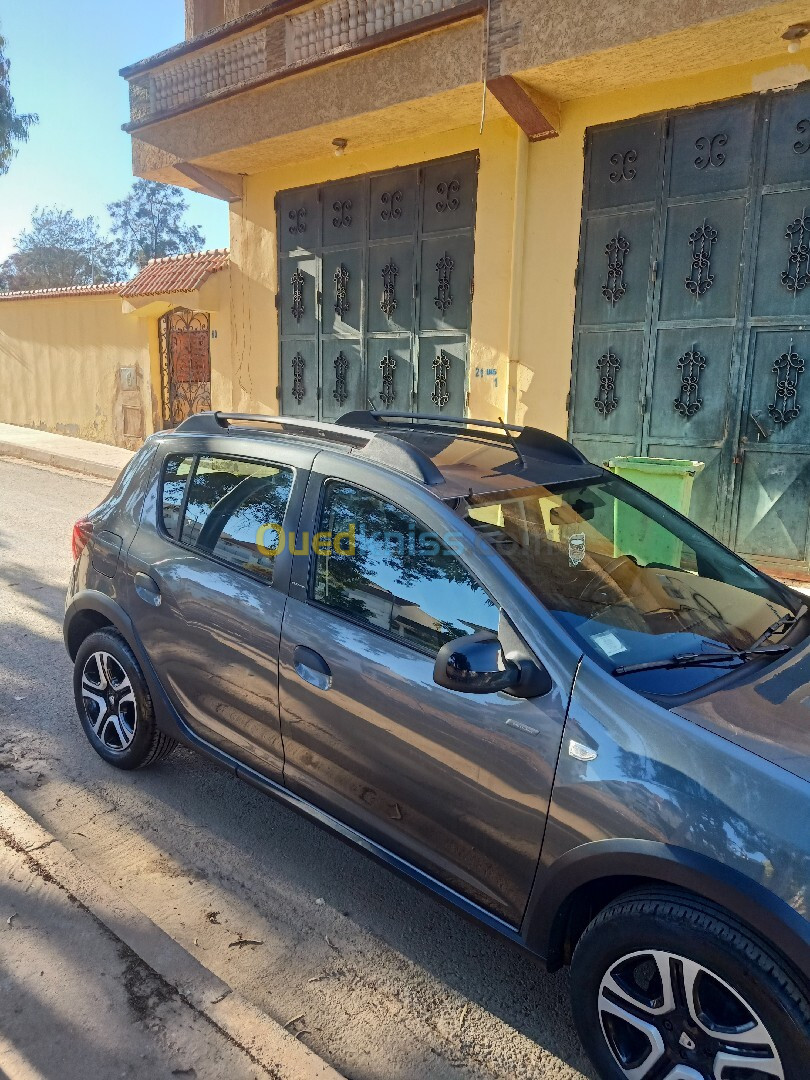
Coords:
pixel 769 715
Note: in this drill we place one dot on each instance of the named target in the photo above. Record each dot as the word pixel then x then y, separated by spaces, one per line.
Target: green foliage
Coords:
pixel 14 126
pixel 59 250
pixel 148 223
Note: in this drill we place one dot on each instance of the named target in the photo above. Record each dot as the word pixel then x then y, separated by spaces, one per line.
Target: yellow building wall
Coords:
pixel 60 366
pixel 498 238
pixel 542 359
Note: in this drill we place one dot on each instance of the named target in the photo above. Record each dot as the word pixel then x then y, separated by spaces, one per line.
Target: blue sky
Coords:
pixel 64 65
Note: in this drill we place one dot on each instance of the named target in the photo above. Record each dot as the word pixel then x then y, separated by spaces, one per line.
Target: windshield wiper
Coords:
pixel 723 656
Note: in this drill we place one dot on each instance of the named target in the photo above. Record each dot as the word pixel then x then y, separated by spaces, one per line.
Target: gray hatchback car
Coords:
pixel 507 673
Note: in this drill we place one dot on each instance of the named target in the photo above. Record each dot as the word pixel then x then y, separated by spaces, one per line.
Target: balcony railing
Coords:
pixel 281 46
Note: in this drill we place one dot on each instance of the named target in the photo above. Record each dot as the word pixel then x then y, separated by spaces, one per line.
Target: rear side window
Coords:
pixel 234 509
pixel 377 564
pixel 175 477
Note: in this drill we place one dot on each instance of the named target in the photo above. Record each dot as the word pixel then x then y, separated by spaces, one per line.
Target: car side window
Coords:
pixel 377 564
pixel 234 511
pixel 175 477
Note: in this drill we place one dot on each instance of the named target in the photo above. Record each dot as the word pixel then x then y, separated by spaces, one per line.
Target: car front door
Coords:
pixel 206 580
pixel 456 784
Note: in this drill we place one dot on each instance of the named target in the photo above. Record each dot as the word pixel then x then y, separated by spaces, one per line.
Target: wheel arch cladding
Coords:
pixel 588 878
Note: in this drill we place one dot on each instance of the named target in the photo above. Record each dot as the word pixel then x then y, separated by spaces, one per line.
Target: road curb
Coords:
pixel 245 1025
pixel 84 467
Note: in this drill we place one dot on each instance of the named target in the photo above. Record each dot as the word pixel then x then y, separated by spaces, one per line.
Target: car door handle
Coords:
pixel 147 589
pixel 312 668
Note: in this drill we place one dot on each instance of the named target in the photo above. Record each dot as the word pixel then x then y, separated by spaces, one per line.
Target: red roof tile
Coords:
pixel 75 290
pixel 177 273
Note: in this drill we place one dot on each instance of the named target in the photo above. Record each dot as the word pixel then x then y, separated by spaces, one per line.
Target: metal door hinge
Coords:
pixel 568 402
pixel 654 271
pixel 319 299
pixel 319 393
pixel 278 393
pixel 277 300
pixel 467 400
pixel 472 286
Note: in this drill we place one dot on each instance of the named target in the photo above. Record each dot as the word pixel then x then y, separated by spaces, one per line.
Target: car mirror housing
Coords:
pixel 476 664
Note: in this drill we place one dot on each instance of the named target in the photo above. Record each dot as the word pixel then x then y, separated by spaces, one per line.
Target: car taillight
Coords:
pixel 82 531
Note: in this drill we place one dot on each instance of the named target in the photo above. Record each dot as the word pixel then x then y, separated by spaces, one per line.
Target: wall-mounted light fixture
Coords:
pixel 794 34
pixel 340 146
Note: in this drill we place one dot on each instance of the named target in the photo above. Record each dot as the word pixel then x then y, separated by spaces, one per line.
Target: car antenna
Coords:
pixel 513 441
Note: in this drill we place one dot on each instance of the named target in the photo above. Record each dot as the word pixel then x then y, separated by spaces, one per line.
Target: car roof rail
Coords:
pixel 376 446
pixel 528 438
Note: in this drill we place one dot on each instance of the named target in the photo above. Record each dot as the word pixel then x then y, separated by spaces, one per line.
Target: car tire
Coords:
pixel 114 704
pixel 662 983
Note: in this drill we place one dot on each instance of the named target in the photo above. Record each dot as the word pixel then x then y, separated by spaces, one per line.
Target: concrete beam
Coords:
pixel 219 185
pixel 534 113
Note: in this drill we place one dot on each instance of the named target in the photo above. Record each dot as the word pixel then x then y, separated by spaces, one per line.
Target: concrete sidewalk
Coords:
pixel 63 451
pixel 90 989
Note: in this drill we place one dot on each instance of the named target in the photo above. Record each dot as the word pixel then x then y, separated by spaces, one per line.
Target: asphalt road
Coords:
pixel 377 976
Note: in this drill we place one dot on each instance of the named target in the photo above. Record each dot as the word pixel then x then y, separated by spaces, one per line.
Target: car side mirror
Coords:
pixel 476 664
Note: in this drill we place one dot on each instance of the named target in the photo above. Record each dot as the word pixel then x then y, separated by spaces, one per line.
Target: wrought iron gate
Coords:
pixel 185 364
pixel 693 309
pixel 375 288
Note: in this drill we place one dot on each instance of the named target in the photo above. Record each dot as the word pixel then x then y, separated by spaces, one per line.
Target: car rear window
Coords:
pixel 230 508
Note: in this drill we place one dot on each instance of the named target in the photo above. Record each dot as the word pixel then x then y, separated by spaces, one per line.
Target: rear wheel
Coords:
pixel 664 987
pixel 114 704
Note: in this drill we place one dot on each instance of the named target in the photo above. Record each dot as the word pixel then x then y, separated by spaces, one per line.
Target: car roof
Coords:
pixel 451 456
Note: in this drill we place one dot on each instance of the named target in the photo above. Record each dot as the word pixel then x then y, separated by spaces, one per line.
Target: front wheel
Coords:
pixel 114 706
pixel 665 987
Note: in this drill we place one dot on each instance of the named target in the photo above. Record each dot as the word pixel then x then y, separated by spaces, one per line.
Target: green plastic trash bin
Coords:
pixel 670 480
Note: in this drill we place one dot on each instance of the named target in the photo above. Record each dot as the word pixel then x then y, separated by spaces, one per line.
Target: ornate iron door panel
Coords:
pixel 299 377
pixel 606 400
pixel 390 374
pixel 788 151
pixel 701 260
pixel 299 221
pixel 614 287
pixel 615 271
pixel 776 446
pixel 624 168
pixel 343 206
pixel 391 287
pixel 782 283
pixel 342 377
pixel 712 149
pixel 185 355
pixel 448 201
pixel 367 265
pixel 729 193
pixel 393 204
pixel 690 387
pixel 299 296
pixel 445 282
pixel 342 292
pixel 442 378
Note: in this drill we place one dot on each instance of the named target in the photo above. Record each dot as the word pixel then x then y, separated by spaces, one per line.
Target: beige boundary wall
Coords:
pixel 76 365
pixel 86 362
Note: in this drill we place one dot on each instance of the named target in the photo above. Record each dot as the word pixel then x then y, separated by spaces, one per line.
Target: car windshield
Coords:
pixel 632 581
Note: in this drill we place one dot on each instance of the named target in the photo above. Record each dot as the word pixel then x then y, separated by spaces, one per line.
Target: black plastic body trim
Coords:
pixel 545 925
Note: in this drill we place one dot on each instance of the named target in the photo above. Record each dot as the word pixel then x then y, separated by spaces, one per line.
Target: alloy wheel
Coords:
pixel 665 1017
pixel 109 701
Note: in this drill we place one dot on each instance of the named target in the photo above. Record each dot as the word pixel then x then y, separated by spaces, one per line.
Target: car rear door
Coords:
pixel 456 784
pixel 206 578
